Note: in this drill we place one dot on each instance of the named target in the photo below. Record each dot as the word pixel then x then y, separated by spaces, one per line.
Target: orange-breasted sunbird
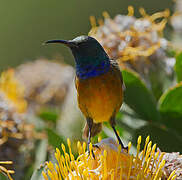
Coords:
pixel 98 82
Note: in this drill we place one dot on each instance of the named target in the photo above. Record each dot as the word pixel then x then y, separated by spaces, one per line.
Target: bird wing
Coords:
pixel 115 64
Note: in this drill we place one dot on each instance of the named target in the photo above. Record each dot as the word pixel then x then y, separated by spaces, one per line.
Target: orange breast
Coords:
pixel 100 97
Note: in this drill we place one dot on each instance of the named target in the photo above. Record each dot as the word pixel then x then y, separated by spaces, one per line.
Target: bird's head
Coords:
pixel 85 49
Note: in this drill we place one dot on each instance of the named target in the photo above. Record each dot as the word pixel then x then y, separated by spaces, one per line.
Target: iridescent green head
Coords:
pixel 88 53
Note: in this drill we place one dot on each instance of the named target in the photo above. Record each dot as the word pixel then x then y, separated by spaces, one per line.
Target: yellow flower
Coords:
pixel 12 108
pixel 4 170
pixel 111 162
pixel 12 90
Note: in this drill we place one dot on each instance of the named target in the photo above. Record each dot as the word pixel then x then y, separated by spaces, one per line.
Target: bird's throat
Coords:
pixel 92 70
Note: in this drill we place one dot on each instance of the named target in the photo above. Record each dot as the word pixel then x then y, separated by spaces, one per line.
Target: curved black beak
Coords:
pixel 65 42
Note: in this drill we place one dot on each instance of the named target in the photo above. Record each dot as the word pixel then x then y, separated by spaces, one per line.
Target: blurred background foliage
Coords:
pixel 38 108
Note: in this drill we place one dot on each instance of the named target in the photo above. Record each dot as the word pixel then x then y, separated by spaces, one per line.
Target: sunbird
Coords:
pixel 99 84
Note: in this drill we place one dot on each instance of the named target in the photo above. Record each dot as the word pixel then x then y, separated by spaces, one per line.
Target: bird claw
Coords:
pixel 125 149
pixel 94 146
pixel 93 155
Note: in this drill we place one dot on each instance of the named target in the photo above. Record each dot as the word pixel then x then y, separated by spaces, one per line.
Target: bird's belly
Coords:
pixel 100 97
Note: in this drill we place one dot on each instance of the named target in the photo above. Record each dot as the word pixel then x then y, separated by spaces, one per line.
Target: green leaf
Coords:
pixel 28 172
pixel 170 106
pixel 49 116
pixel 55 139
pixel 3 177
pixel 171 101
pixel 178 67
pixel 166 139
pixel 37 175
pixel 138 97
pixel 171 52
pixel 157 77
pixel 119 115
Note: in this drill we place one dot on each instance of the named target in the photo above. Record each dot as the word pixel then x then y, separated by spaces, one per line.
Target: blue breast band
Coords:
pixel 89 71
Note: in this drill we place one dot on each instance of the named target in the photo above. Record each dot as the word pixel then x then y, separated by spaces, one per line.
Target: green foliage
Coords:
pixel 138 97
pixel 54 138
pixel 170 102
pixel 3 177
pixel 170 106
pixel 178 67
pixel 48 115
pixel 161 120
pixel 157 82
pixel 171 53
pixel 165 139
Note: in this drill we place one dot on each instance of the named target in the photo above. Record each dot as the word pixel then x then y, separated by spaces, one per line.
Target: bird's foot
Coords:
pixel 94 146
pixel 125 149
pixel 93 155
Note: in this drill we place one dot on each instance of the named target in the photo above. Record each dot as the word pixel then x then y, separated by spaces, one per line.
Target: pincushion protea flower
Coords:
pixel 12 108
pixel 110 162
pixel 13 128
pixel 137 43
pixel 176 22
pixel 173 162
pixel 40 88
pixel 4 170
